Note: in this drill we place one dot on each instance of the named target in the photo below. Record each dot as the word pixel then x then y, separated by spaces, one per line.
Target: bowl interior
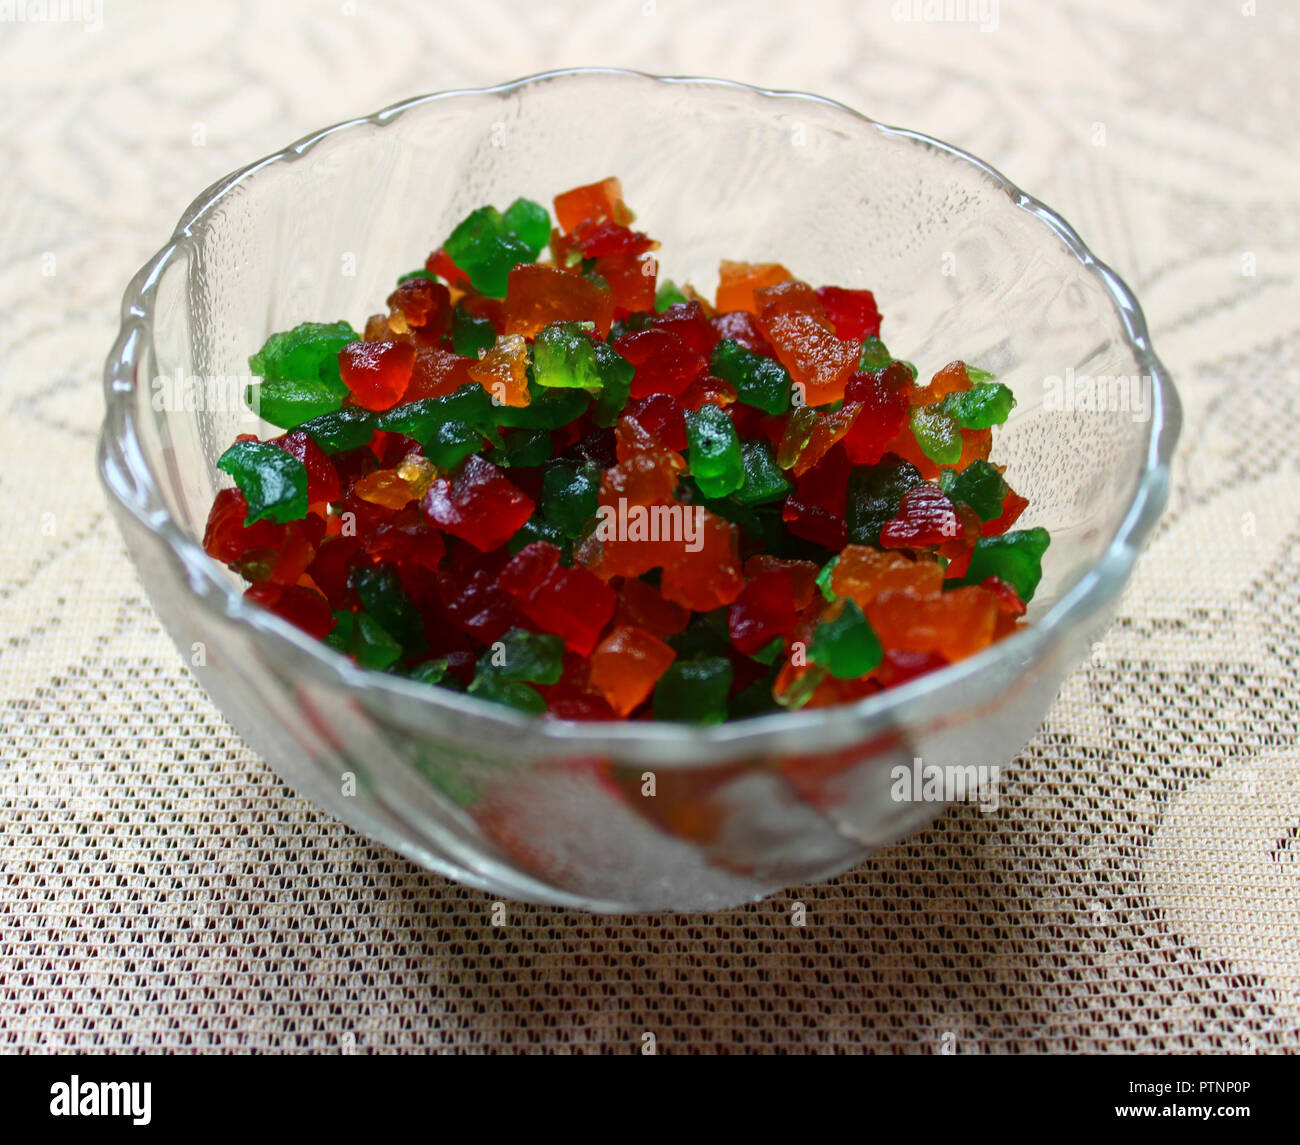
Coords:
pixel 714 171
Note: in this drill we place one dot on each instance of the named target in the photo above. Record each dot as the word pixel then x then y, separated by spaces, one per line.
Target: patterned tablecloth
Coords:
pixel 1139 888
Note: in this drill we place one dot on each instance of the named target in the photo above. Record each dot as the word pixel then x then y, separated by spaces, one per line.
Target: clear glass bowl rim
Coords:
pixel 130 481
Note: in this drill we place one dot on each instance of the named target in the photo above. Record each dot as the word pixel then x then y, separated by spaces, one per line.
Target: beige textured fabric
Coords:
pixel 1139 889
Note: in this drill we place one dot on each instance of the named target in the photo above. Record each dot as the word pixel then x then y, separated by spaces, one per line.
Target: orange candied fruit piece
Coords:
pixel 862 573
pixel 538 295
pixel 592 203
pixel 503 370
pixel 737 282
pixel 793 320
pixel 952 379
pixel 626 665
pixel 955 624
pixel 710 576
pixel 384 487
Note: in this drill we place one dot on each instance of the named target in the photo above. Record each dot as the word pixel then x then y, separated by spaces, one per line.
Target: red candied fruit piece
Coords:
pixel 662 416
pixel 322 477
pixel 763 611
pixel 569 602
pixel 664 363
pixel 597 238
pixel 885 398
pixel 898 666
pixel 301 607
pixel 803 575
pixel 815 510
pixel 1012 506
pixel 377 373
pixel 592 203
pixel 436 373
pixel 439 263
pixel 425 304
pixel 478 505
pixel 1009 600
pixel 687 321
pixel 408 538
pixel 472 596
pixel 925 517
pixel 226 538
pixel 740 326
pixel 709 390
pixel 334 560
pixel 853 313
pixel 631 281
pixel 641 606
pixel 538 295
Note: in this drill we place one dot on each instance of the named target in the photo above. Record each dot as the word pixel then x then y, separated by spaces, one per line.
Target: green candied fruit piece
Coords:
pixel 846 645
pixel 570 493
pixel 798 433
pixel 615 384
pixel 538 528
pixel 273 482
pixel 764 480
pixel 694 691
pixel 715 458
pixel 875 355
pixel 802 689
pixel 978 377
pixel 372 645
pixel 706 636
pixel 348 428
pixel 979 485
pixel 547 408
pixel 420 419
pixel 485 251
pixel 288 402
pixel 450 442
pixel 825 576
pixel 421 273
pixel 471 335
pixel 529 657
pixel 937 433
pixel 564 358
pixel 769 653
pixel 308 352
pixel 756 700
pixel 531 222
pixel 491 685
pixel 760 382
pixel 668 295
pixel 634 323
pixel 523 449
pixel 981 407
pixel 874 494
pixel 430 672
pixel 383 598
pixel 1015 557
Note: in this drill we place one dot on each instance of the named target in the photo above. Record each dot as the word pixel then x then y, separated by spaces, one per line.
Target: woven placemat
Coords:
pixel 1137 890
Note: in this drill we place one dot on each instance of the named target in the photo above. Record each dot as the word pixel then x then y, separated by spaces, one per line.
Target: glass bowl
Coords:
pixel 963 264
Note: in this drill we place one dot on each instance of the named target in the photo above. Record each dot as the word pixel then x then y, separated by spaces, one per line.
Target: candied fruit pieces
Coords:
pixel 578 489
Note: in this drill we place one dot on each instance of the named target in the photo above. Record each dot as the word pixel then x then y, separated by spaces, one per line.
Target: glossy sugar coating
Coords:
pixel 550 478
